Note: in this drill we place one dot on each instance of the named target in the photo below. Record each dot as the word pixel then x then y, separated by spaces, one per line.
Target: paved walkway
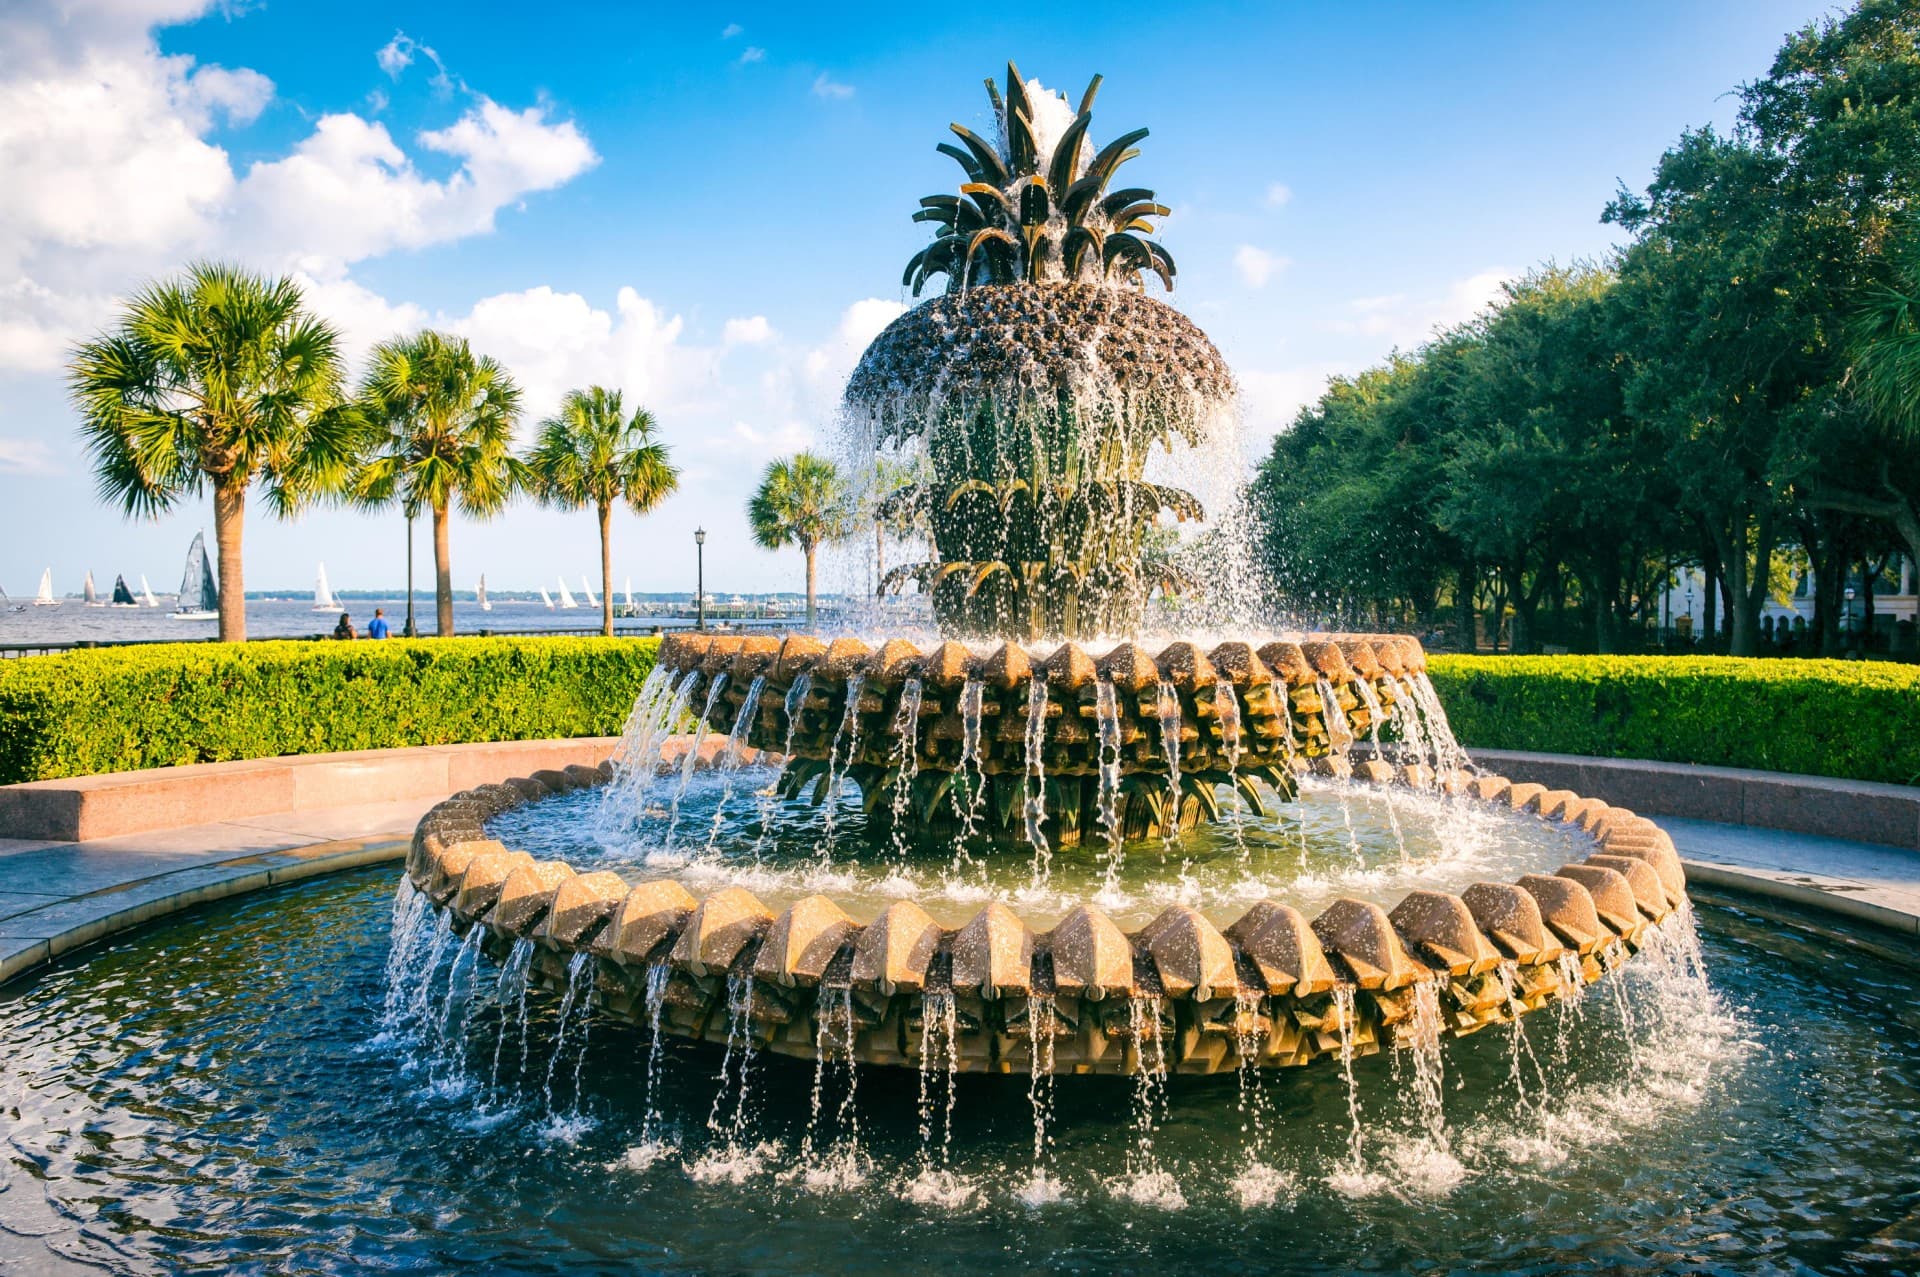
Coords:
pixel 1864 881
pixel 57 896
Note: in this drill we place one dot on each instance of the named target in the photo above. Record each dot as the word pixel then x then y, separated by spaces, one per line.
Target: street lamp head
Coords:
pixel 699 536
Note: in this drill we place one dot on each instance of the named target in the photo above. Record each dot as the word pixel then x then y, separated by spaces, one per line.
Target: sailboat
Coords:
pixel 199 596
pixel 566 595
pixel 45 597
pixel 591 601
pixel 89 595
pixel 481 594
pixel 146 592
pixel 323 600
pixel 122 596
pixel 631 611
pixel 547 598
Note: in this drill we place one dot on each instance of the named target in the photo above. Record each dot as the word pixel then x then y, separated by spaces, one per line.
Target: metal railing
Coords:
pixel 14 651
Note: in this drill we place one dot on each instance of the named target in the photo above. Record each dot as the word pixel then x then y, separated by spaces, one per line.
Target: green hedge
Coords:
pixel 120 709
pixel 1857 720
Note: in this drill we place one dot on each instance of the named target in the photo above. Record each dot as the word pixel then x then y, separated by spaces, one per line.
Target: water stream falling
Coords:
pixel 511 989
pixel 1167 711
pixel 1107 717
pixel 1034 782
pixel 967 798
pixel 906 758
pixel 579 991
pixel 1042 1025
pixel 730 758
pixel 690 760
pixel 847 734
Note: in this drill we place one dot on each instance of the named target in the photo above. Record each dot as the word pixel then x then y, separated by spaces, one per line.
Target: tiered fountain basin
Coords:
pixel 1177 994
pixel 1015 743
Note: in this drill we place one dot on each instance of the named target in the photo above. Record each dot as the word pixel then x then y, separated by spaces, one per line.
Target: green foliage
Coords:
pixel 1025 214
pixel 1848 719
pixel 122 709
pixel 1693 402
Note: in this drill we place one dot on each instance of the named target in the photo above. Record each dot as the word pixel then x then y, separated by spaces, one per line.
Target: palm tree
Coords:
pixel 591 454
pixel 215 379
pixel 801 499
pixel 440 429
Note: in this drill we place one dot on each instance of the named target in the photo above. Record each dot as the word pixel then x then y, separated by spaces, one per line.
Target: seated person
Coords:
pixel 344 630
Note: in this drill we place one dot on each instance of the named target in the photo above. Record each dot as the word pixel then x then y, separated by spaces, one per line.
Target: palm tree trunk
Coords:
pixel 606 569
pixel 229 514
pixel 442 573
pixel 811 577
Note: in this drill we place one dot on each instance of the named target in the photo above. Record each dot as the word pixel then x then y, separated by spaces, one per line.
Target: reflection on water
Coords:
pixel 217 1091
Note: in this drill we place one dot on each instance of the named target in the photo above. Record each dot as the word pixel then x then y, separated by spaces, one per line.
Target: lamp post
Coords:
pixel 700 578
pixel 407 630
pixel 1846 617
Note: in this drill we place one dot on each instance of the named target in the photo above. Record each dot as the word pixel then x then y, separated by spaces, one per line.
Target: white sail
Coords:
pixel 146 592
pixel 89 595
pixel 546 598
pixel 323 600
pixel 45 597
pixel 566 595
pixel 588 587
pixel 199 594
pixel 481 594
pixel 629 594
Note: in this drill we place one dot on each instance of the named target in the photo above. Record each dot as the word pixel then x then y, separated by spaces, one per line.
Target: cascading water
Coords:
pixel 1034 782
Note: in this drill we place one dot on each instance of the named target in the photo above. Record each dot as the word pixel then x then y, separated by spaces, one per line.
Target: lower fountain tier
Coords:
pixel 1177 995
pixel 1066 745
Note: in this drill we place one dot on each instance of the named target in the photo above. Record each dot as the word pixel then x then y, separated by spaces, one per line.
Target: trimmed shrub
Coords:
pixel 121 709
pixel 1855 720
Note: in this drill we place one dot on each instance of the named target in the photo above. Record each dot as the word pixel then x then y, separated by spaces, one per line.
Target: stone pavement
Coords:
pixel 1866 882
pixel 57 896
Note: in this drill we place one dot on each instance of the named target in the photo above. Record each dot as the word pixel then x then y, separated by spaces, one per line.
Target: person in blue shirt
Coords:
pixel 377 627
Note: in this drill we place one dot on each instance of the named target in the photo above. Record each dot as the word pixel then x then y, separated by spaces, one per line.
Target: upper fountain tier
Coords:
pixel 1041 382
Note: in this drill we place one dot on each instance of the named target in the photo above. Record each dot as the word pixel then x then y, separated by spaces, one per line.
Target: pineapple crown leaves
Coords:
pixel 1025 216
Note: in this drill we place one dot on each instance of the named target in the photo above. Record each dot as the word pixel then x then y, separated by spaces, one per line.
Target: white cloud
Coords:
pixel 238 95
pixel 731 30
pixel 751 331
pixel 825 86
pixel 772 441
pixel 1407 321
pixel 1279 194
pixel 26 456
pixel 349 192
pixel 112 177
pixel 751 54
pixel 1257 266
pixel 397 54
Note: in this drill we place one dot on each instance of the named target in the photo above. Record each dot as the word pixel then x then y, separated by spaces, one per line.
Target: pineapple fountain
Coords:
pixel 1034 393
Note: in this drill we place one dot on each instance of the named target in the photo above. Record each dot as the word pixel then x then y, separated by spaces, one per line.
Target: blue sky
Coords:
pixel 709 206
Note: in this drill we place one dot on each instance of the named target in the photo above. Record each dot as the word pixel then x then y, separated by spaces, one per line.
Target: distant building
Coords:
pixel 1895 599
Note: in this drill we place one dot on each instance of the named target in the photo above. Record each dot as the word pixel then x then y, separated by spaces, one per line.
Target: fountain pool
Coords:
pixel 216 1091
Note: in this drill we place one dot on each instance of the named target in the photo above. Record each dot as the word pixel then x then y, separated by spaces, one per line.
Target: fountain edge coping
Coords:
pixel 1594 912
